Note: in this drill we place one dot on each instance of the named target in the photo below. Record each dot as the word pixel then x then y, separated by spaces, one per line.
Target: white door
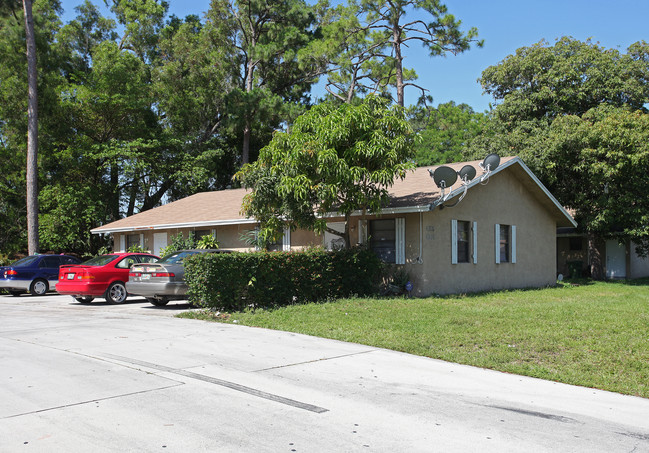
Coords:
pixel 615 259
pixel 331 241
pixel 159 242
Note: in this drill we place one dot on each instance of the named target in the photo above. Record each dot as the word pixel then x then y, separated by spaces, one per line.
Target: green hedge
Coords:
pixel 234 281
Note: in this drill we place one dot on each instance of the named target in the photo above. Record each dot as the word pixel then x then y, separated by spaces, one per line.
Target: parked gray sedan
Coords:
pixel 165 280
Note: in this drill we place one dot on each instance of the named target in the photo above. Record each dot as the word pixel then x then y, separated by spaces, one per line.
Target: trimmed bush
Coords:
pixel 234 281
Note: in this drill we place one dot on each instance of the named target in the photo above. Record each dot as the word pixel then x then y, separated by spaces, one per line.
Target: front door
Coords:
pixel 615 259
pixel 159 242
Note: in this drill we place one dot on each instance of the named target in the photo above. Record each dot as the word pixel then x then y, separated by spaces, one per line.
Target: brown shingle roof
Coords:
pixel 223 207
pixel 418 188
pixel 204 208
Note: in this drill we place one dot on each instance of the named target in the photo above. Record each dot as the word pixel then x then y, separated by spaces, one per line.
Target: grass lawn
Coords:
pixel 595 334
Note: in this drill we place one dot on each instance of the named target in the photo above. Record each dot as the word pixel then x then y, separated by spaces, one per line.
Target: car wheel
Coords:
pixel 84 300
pixel 15 293
pixel 158 302
pixel 38 287
pixel 116 293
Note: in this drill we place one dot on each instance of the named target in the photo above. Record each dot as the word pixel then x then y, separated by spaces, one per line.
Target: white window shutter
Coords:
pixel 453 241
pixel 400 240
pixel 142 240
pixel 475 242
pixel 122 242
pixel 497 243
pixel 513 243
pixel 286 240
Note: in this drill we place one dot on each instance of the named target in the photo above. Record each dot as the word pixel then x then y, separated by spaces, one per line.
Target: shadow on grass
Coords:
pixel 635 282
pixel 567 283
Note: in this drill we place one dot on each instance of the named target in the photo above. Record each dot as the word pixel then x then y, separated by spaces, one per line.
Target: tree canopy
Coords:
pixel 137 108
pixel 334 159
pixel 600 161
pixel 446 131
pixel 575 113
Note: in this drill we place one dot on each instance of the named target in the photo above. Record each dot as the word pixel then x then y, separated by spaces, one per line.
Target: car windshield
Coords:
pixel 100 260
pixel 178 257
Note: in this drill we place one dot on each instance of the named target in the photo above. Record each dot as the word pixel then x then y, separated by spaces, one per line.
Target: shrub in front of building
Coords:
pixel 234 281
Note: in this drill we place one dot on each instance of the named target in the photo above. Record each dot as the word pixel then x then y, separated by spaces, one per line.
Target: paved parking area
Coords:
pixel 132 377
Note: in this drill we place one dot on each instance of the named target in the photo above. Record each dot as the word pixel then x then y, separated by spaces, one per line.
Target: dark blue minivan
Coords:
pixel 36 274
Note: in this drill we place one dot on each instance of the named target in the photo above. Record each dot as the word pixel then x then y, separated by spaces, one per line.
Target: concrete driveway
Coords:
pixel 98 377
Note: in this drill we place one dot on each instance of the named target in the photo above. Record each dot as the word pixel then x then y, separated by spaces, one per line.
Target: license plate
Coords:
pixel 146 277
pixel 70 276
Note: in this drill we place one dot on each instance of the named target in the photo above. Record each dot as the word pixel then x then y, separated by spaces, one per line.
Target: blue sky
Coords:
pixel 505 25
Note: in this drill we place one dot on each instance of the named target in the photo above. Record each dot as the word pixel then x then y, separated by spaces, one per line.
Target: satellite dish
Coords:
pixel 444 177
pixel 467 173
pixel 491 162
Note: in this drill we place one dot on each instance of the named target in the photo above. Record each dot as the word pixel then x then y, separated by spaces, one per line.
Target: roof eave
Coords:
pixel 167 226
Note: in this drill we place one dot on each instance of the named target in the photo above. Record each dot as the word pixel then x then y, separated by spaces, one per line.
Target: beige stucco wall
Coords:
pixel 229 237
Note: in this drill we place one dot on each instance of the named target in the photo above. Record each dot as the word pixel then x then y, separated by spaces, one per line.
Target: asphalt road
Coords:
pixel 99 377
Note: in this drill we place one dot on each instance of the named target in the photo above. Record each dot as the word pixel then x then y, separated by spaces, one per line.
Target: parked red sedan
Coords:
pixel 102 276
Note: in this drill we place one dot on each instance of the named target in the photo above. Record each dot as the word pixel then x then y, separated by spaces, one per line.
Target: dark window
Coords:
pixel 463 247
pixel 68 260
pixel 382 239
pixel 504 243
pixel 198 234
pixel 132 240
pixel 576 244
pixel 147 259
pixel 50 262
pixel 126 262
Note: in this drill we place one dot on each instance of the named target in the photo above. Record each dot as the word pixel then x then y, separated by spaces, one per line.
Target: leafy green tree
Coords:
pixel 362 44
pixel 541 82
pixel 14 91
pixel 345 52
pixel 142 21
pixel 32 131
pixel 266 38
pixel 445 131
pixel 191 83
pixel 392 26
pixel 600 163
pixel 333 159
pixel 84 33
pixel 114 122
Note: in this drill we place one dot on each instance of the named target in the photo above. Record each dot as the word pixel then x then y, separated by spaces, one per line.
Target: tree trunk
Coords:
pixel 115 192
pixel 348 242
pixel 396 36
pixel 595 258
pixel 32 133
pixel 245 151
pixel 247 129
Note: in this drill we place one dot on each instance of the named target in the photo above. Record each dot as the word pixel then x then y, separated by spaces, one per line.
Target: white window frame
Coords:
pixel 512 243
pixel 474 251
pixel 512 229
pixel 286 240
pixel 400 240
pixel 474 240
